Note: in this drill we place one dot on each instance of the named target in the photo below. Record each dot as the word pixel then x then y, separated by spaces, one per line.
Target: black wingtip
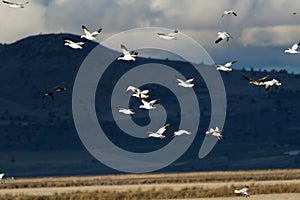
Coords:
pixel 218 40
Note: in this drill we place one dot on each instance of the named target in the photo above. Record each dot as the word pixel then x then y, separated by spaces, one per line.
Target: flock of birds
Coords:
pixel 143 95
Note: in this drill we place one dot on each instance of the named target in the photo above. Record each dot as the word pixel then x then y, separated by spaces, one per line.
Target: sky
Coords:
pixel 261 31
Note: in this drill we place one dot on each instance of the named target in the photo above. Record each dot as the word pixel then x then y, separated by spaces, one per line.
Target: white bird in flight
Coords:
pixel 293 49
pixel 228 12
pixel 148 105
pixel 88 35
pixel 262 82
pixel 222 36
pixel 269 84
pixel 141 94
pixel 126 111
pixel 226 67
pixel 1 178
pixel 127 56
pixel 15 5
pixel 159 133
pixel 186 84
pixel 73 45
pixel 170 36
pixel 215 132
pixel 181 132
pixel 243 191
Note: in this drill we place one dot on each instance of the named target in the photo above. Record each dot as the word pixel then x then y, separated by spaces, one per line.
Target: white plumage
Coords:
pixel 170 36
pixel 15 5
pixel 159 132
pixel 293 49
pixel 126 111
pixel 186 84
pixel 73 45
pixel 222 36
pixel 226 67
pixel 181 132
pixel 229 12
pixel 243 191
pixel 215 132
pixel 88 35
pixel 148 105
pixel 127 56
pixel 1 177
pixel 136 92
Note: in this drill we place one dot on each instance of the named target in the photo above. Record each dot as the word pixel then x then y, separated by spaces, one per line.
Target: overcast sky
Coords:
pixel 259 26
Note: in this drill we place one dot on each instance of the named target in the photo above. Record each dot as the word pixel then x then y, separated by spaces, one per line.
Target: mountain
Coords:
pixel 39 137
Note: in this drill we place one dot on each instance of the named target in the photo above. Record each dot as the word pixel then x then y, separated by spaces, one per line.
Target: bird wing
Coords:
pixel 234 13
pixel 124 50
pixel 268 87
pixel 219 39
pixel 153 101
pixel 263 78
pixel 179 80
pixel 144 102
pixel 248 78
pixel 230 63
pixel 172 34
pixel 244 190
pixel 79 43
pixel 68 41
pixel 85 30
pixel 190 80
pixel 295 46
pixel 27 2
pixel 52 96
pixel 96 32
pixel 132 89
pixel 162 129
pixel 161 34
pixel 2 175
pixel 7 2
pixel 145 91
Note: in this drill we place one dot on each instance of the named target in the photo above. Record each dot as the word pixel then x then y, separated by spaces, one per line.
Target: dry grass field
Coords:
pixel 265 184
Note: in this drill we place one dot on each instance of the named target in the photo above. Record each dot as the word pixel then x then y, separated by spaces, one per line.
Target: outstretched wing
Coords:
pixel 295 46
pixel 219 39
pixel 263 78
pixel 145 92
pixel 68 41
pixel 179 80
pixel 190 80
pixel 132 89
pixel 97 32
pixel 85 30
pixel 248 78
pixel 230 63
pixel 153 101
pixel 162 129
pixel 161 34
pixel 7 2
pixel 124 50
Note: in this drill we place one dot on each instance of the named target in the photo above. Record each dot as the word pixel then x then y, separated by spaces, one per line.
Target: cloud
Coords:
pixel 18 23
pixel 257 20
pixel 270 36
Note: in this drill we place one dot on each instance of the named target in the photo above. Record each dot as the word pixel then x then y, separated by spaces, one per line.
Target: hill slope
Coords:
pixel 39 137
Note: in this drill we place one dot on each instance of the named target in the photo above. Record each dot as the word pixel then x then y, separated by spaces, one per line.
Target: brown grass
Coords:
pixel 141 179
pixel 164 193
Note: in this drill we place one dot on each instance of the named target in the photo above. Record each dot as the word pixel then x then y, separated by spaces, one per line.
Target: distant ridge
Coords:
pixel 39 137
